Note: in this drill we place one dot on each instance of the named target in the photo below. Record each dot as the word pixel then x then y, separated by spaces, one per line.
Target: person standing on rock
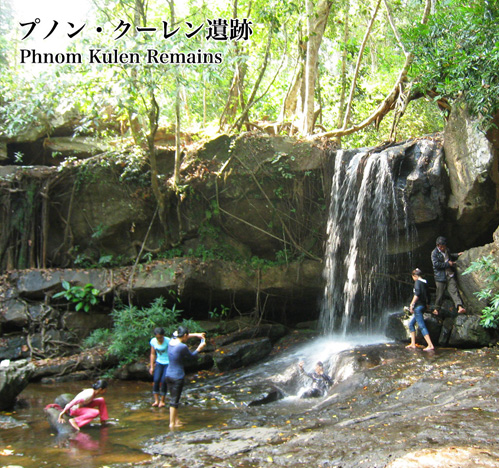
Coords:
pixel 418 306
pixel 443 262
pixel 86 406
pixel 177 353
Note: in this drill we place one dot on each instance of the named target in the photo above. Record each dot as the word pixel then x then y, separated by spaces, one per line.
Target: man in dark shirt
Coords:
pixel 445 275
pixel 321 382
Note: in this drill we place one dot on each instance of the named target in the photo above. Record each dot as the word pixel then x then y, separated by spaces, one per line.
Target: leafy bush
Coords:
pixel 99 337
pixel 133 328
pixel 490 293
pixel 83 296
pixel 456 54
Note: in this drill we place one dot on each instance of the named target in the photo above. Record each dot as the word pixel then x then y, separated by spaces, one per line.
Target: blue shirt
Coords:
pixel 161 350
pixel 176 354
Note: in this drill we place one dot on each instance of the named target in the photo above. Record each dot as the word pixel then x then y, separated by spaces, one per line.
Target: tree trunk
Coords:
pixel 235 98
pixel 317 15
pixel 291 105
pixel 389 102
pixel 346 119
pixel 251 100
pixel 344 59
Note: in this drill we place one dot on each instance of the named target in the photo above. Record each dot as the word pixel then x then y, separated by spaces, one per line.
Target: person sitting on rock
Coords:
pixel 445 275
pixel 320 381
pixel 86 406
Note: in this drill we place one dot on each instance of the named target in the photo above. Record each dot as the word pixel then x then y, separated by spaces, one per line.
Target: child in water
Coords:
pixel 321 382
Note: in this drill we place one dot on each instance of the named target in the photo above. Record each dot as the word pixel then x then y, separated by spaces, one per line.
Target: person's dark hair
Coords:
pixel 100 384
pixel 319 363
pixel 417 272
pixel 441 240
pixel 181 331
pixel 159 331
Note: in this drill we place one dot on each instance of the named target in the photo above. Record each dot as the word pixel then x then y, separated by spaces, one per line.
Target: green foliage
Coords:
pixel 221 314
pixel 457 52
pixel 171 253
pixel 99 337
pixel 84 297
pixel 282 163
pixel 133 326
pixel 490 292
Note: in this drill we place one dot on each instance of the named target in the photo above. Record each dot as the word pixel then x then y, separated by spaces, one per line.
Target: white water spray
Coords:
pixel 365 215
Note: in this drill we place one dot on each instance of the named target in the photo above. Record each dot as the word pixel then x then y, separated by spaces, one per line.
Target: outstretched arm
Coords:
pixel 302 371
pixel 198 335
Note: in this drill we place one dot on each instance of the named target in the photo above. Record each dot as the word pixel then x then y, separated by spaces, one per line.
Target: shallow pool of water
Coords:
pixel 134 421
pixel 207 402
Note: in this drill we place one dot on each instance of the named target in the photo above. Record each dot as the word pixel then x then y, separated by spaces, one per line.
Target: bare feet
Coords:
pixel 411 346
pixel 155 403
pixel 429 348
pixel 178 423
pixel 161 404
pixel 435 312
pixel 73 423
pixel 461 310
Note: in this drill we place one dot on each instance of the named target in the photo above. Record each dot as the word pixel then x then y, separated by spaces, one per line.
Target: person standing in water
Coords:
pixel 177 353
pixel 86 406
pixel 418 306
pixel 159 363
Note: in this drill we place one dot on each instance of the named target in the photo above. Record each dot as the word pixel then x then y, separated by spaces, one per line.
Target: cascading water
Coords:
pixel 366 218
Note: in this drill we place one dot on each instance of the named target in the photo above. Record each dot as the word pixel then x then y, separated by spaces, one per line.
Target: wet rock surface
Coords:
pixel 401 408
pixel 14 377
pixel 447 329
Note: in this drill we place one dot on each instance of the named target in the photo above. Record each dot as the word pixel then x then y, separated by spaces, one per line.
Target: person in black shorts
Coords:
pixel 177 352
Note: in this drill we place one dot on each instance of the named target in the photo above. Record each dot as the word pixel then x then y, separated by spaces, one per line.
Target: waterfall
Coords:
pixel 366 218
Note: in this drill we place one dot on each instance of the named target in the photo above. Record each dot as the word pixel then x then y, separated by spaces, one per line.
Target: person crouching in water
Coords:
pixel 418 306
pixel 321 382
pixel 86 406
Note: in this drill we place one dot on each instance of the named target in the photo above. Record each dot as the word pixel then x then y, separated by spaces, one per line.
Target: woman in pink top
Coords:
pixel 86 406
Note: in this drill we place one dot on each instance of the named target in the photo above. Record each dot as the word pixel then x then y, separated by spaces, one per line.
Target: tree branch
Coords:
pixel 357 66
pixel 388 103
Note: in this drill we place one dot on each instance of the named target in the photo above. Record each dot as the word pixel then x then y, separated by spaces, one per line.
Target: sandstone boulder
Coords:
pixel 470 159
pixel 14 377
pixel 468 333
pixel 241 353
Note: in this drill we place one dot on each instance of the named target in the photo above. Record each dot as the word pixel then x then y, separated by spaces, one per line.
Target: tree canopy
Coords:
pixel 336 68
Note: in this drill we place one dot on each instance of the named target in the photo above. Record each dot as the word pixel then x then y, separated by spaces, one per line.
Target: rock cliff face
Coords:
pixel 471 158
pixel 246 230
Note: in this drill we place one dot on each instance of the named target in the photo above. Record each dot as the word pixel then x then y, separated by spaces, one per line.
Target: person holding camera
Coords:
pixel 444 268
pixel 177 353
